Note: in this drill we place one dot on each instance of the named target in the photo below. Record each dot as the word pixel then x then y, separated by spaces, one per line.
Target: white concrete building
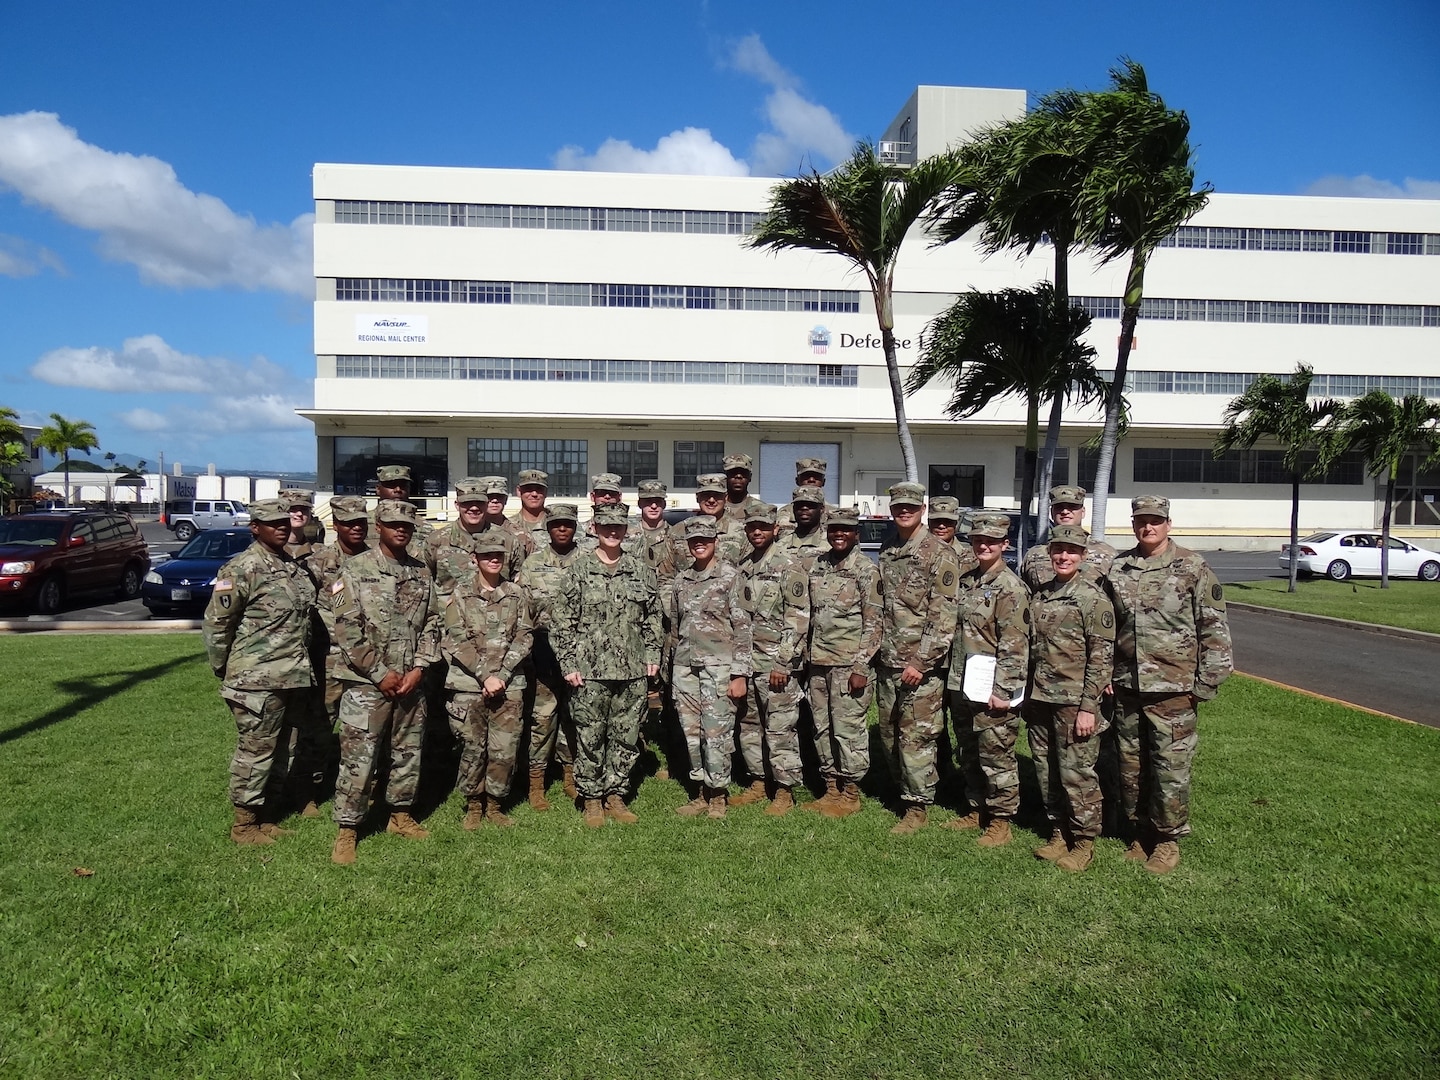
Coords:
pixel 470 321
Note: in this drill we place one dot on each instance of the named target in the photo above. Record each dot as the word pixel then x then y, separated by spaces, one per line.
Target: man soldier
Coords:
pixel 809 472
pixel 943 519
pixel 605 629
pixel 1072 656
pixel 529 521
pixel 604 491
pixel 1172 651
pixel 309 739
pixel 519 545
pixel 449 549
pixel 846 614
pixel 486 640
pixel 387 627
pixel 306 533
pixel 777 595
pixel 739 471
pixel 806 539
pixel 547 696
pixel 393 482
pixel 351 519
pixel 1067 507
pixel 257 631
pixel 650 540
pixel 730 543
pixel 918 579
pixel 712 664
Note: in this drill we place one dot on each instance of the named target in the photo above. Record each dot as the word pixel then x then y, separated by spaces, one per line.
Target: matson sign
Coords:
pixel 392 329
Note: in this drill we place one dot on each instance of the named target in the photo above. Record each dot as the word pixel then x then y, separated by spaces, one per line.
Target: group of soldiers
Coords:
pixel 542 641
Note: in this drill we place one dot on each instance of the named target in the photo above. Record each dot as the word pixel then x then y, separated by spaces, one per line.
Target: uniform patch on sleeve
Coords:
pixel 797 589
pixel 337 586
pixel 1216 593
pixel 224 585
pixel 1107 620
pixel 225 601
pixel 1025 615
pixel 947 579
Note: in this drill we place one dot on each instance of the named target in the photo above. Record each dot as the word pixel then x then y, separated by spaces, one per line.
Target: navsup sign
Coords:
pixel 391 329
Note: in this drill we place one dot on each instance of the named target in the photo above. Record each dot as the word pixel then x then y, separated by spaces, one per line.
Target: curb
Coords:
pixel 1329 620
pixel 39 624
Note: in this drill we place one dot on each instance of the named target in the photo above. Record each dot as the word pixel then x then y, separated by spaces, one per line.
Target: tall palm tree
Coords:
pixel 1384 430
pixel 10 430
pixel 862 210
pixel 1012 342
pixel 1280 410
pixel 63 436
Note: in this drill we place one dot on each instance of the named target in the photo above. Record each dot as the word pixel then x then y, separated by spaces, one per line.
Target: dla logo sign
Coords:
pixel 819 340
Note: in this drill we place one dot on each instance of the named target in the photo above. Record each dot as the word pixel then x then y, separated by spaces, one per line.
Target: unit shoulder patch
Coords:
pixel 1216 593
pixel 1107 620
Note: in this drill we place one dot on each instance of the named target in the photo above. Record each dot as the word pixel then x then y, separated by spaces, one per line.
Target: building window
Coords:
pixel 633 460
pixel 1404 243
pixel 357 458
pixel 1353 242
pixel 1174 465
pixel 693 459
pixel 564 459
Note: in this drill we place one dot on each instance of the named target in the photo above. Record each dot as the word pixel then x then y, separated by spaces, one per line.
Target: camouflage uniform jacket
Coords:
pixel 785 520
pixel 776 592
pixel 731 543
pixel 535 532
pixel 605 621
pixel 487 632
pixel 737 512
pixel 539 576
pixel 846 611
pixel 257 624
pixel 387 617
pixel 710 620
pixel 918 579
pixel 993 619
pixel 964 554
pixel 325 565
pixel 1036 569
pixel 1072 643
pixel 418 548
pixel 804 549
pixel 1172 636
pixel 451 555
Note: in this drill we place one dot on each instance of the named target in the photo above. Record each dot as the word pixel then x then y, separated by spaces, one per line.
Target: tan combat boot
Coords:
pixel 594 814
pixel 270 829
pixel 343 853
pixel 719 799
pixel 847 801
pixel 402 824
pixel 996 834
pixel 616 810
pixel 1164 858
pixel 474 813
pixel 782 804
pixel 494 815
pixel 308 800
pixel 1054 849
pixel 246 829
pixel 832 792
pixel 960 824
pixel 567 781
pixel 538 801
pixel 1078 857
pixel 752 794
pixel 1136 851
pixel 913 821
pixel 696 806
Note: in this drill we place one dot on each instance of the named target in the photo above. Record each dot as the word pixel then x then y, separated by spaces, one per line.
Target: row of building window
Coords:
pixel 1166 465
pixel 1217 238
pixel 529 369
pixel 580 294
pixel 1266 311
pixel 1232 383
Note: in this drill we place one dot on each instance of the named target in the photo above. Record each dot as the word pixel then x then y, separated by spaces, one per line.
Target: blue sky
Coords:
pixel 155 159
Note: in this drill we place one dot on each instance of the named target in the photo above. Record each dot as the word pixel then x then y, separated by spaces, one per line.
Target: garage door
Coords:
pixel 777 469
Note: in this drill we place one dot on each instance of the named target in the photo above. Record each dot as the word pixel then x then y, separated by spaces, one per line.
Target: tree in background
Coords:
pixel 1280 410
pixel 62 436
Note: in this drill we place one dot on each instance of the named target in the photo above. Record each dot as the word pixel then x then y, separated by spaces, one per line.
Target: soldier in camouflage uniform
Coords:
pixel 547 710
pixel 1072 654
pixel 604 491
pixel 730 543
pixel 306 532
pixel 605 629
pixel 310 738
pixel 387 627
pixel 1067 507
pixel 776 592
pixel 809 473
pixel 739 470
pixel 712 664
pixel 351 519
pixel 806 539
pixel 479 507
pixel 993 621
pixel 257 636
pixel 918 579
pixel 650 540
pixel 846 616
pixel 487 637
pixel 531 487
pixel 394 482
pixel 1172 650
pixel 943 520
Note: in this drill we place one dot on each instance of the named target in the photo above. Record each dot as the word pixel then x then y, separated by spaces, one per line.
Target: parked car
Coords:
pixel 186 517
pixel 1343 553
pixel 182 584
pixel 46 557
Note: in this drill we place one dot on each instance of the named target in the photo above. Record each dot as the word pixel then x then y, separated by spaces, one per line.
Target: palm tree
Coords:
pixel 1384 430
pixel 862 210
pixel 10 430
pixel 63 436
pixel 1015 341
pixel 1280 410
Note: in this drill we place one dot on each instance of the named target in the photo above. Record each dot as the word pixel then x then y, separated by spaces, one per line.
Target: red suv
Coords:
pixel 46 557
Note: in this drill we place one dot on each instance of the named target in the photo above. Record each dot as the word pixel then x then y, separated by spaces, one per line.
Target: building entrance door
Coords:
pixel 963 482
pixel 776 481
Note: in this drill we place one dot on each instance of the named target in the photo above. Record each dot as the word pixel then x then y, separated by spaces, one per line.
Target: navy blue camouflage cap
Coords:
pixel 1150 506
pixel 393 474
pixel 808 494
pixel 348 508
pixel 710 481
pixel 907 493
pixel 396 512
pixel 606 481
pixel 617 514
pixel 760 511
pixel 990 524
pixel 700 527
pixel 732 462
pixel 268 510
pixel 651 489
pixel 1069 534
pixel 843 518
pixel 533 478
pixel 560 512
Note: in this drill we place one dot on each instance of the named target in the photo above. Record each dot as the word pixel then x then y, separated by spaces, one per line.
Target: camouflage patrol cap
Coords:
pixel 844 518
pixel 907 493
pixel 700 527
pixel 605 481
pixel 710 481
pixel 396 512
pixel 810 465
pixel 470 489
pixel 1069 534
pixel 1150 506
pixel 393 474
pixel 808 494
pixel 1067 495
pixel 533 478
pixel 496 485
pixel 944 508
pixel 652 489
pixel 560 512
pixel 348 508
pixel 490 543
pixel 293 497
pixel 738 461
pixel 265 510
pixel 612 515
pixel 990 524
pixel 760 511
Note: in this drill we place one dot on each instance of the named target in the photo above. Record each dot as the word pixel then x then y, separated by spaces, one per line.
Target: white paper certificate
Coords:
pixel 979 680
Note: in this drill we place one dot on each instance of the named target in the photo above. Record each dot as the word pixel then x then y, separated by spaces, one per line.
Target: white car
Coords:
pixel 1343 554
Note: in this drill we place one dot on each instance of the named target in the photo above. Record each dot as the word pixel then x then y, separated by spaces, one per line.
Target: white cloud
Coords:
pixel 145 216
pixel 149 364
pixel 1369 187
pixel 692 150
pixel 143 420
pixel 20 258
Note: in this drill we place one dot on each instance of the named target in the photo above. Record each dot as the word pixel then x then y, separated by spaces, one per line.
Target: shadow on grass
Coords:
pixel 91 691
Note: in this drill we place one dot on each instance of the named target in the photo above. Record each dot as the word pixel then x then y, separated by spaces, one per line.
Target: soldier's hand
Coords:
pixel 778 679
pixel 651 670
pixel 999 703
pixel 493 686
pixel 410 682
pixel 575 679
pixel 858 682
pixel 1084 724
pixel 736 692
pixel 912 676
pixel 390 684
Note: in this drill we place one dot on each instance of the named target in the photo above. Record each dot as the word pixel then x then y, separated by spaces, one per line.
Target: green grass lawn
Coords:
pixel 1299 937
pixel 1414 605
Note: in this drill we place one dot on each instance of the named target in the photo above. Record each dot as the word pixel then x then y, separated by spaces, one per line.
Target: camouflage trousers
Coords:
pixel 841 719
pixel 265 723
pixel 311 738
pixel 707 719
pixel 1156 736
pixel 547 716
pixel 489 733
pixel 985 748
pixel 910 719
pixel 371 724
pixel 607 716
pixel 769 721
pixel 1065 767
